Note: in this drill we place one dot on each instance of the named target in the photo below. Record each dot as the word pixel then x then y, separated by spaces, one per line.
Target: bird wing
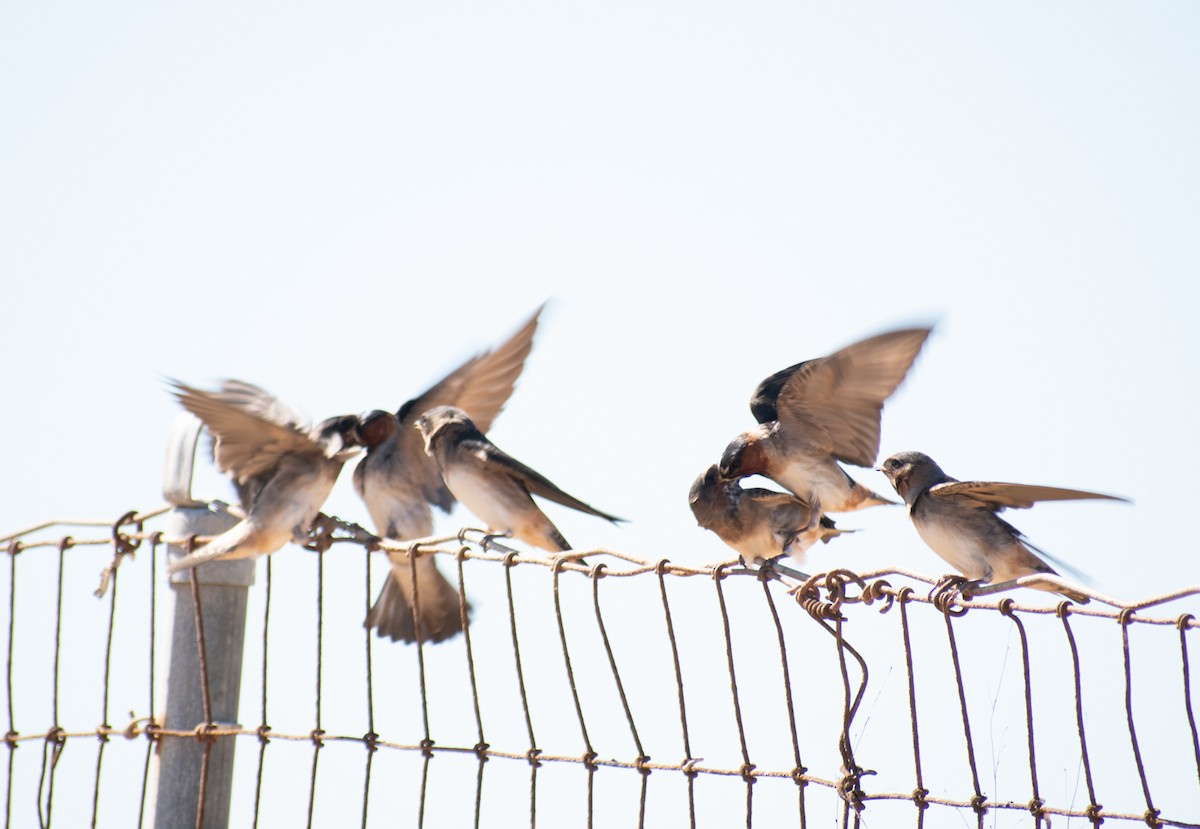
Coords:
pixel 787 512
pixel 996 496
pixel 534 482
pixel 836 401
pixel 480 387
pixel 251 429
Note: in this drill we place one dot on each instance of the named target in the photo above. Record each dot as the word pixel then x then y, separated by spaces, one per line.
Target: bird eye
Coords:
pixel 894 464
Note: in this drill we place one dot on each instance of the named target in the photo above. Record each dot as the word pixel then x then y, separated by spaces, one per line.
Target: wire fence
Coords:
pixel 584 681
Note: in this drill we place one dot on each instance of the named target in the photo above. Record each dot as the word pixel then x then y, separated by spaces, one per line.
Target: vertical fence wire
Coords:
pixel 1035 802
pixel 105 728
pixel 56 737
pixel 1182 624
pixel 152 725
pixel 264 730
pixel 10 738
pixel 799 770
pixel 318 733
pixel 688 759
pixel 370 738
pixel 978 800
pixel 205 691
pixel 481 746
pixel 1151 812
pixel 747 769
pixel 920 793
pixel 1093 809
pixel 510 562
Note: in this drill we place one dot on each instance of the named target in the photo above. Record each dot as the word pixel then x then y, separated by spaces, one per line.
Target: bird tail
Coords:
pixel 829 530
pixel 240 541
pixel 392 616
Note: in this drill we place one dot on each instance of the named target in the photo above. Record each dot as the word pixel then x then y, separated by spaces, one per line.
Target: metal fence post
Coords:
pixel 223 587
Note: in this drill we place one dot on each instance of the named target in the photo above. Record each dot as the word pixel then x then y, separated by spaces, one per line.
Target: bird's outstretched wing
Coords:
pixel 836 401
pixel 996 496
pixel 251 429
pixel 480 387
pixel 534 482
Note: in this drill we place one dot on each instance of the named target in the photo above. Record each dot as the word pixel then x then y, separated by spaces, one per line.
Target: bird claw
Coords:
pixel 949 589
pixel 319 535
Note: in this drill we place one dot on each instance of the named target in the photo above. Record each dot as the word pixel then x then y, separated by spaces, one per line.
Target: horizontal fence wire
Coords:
pixel 834 601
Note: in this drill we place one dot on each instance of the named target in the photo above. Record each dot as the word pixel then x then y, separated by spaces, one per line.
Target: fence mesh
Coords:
pixel 600 688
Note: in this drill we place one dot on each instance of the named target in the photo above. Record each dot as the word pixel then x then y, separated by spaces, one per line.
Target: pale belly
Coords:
pixel 480 497
pixel 288 506
pixel 821 481
pixel 965 552
pixel 397 514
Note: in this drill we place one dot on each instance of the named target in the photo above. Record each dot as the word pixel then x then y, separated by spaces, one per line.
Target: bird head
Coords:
pixel 911 473
pixel 375 427
pixel 744 456
pixel 440 420
pixel 338 436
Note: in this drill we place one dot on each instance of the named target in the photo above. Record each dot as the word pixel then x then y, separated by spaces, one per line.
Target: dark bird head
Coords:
pixel 375 427
pixel 709 495
pixel 744 456
pixel 442 421
pixel 338 436
pixel 911 473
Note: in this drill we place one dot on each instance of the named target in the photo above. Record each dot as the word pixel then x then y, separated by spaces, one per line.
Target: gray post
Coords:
pixel 223 588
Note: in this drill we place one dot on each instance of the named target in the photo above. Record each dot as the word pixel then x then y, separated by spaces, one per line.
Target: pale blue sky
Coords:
pixel 341 203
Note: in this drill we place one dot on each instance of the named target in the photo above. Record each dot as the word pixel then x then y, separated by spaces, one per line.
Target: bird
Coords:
pixel 761 525
pixel 958 520
pixel 399 483
pixel 493 485
pixel 282 469
pixel 818 412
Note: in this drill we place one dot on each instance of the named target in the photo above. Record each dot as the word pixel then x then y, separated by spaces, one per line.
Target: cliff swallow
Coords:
pixel 816 413
pixel 282 469
pixel 761 525
pixel 958 519
pixel 491 484
pixel 398 482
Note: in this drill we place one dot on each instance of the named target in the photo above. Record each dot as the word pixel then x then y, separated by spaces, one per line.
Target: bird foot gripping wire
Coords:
pixel 948 591
pixel 326 530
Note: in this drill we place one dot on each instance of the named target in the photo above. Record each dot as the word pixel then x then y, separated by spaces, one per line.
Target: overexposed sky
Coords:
pixel 342 203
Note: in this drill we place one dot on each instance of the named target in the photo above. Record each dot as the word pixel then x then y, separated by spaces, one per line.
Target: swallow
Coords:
pixel 399 483
pixel 760 524
pixel 816 413
pixel 493 485
pixel 958 519
pixel 282 469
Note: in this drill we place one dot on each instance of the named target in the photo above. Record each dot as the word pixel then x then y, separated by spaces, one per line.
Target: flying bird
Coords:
pixel 958 519
pixel 816 413
pixel 760 524
pixel 493 485
pixel 282 469
pixel 398 482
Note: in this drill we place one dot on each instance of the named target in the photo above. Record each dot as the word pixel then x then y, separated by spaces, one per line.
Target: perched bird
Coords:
pixel 816 413
pixel 761 525
pixel 398 482
pixel 282 469
pixel 494 486
pixel 959 521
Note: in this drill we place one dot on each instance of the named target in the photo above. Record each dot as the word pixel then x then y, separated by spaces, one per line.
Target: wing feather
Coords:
pixel 533 481
pixel 837 401
pixel 481 387
pixel 995 496
pixel 251 429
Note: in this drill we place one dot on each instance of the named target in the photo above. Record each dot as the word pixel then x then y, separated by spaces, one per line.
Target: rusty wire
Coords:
pixel 826 597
